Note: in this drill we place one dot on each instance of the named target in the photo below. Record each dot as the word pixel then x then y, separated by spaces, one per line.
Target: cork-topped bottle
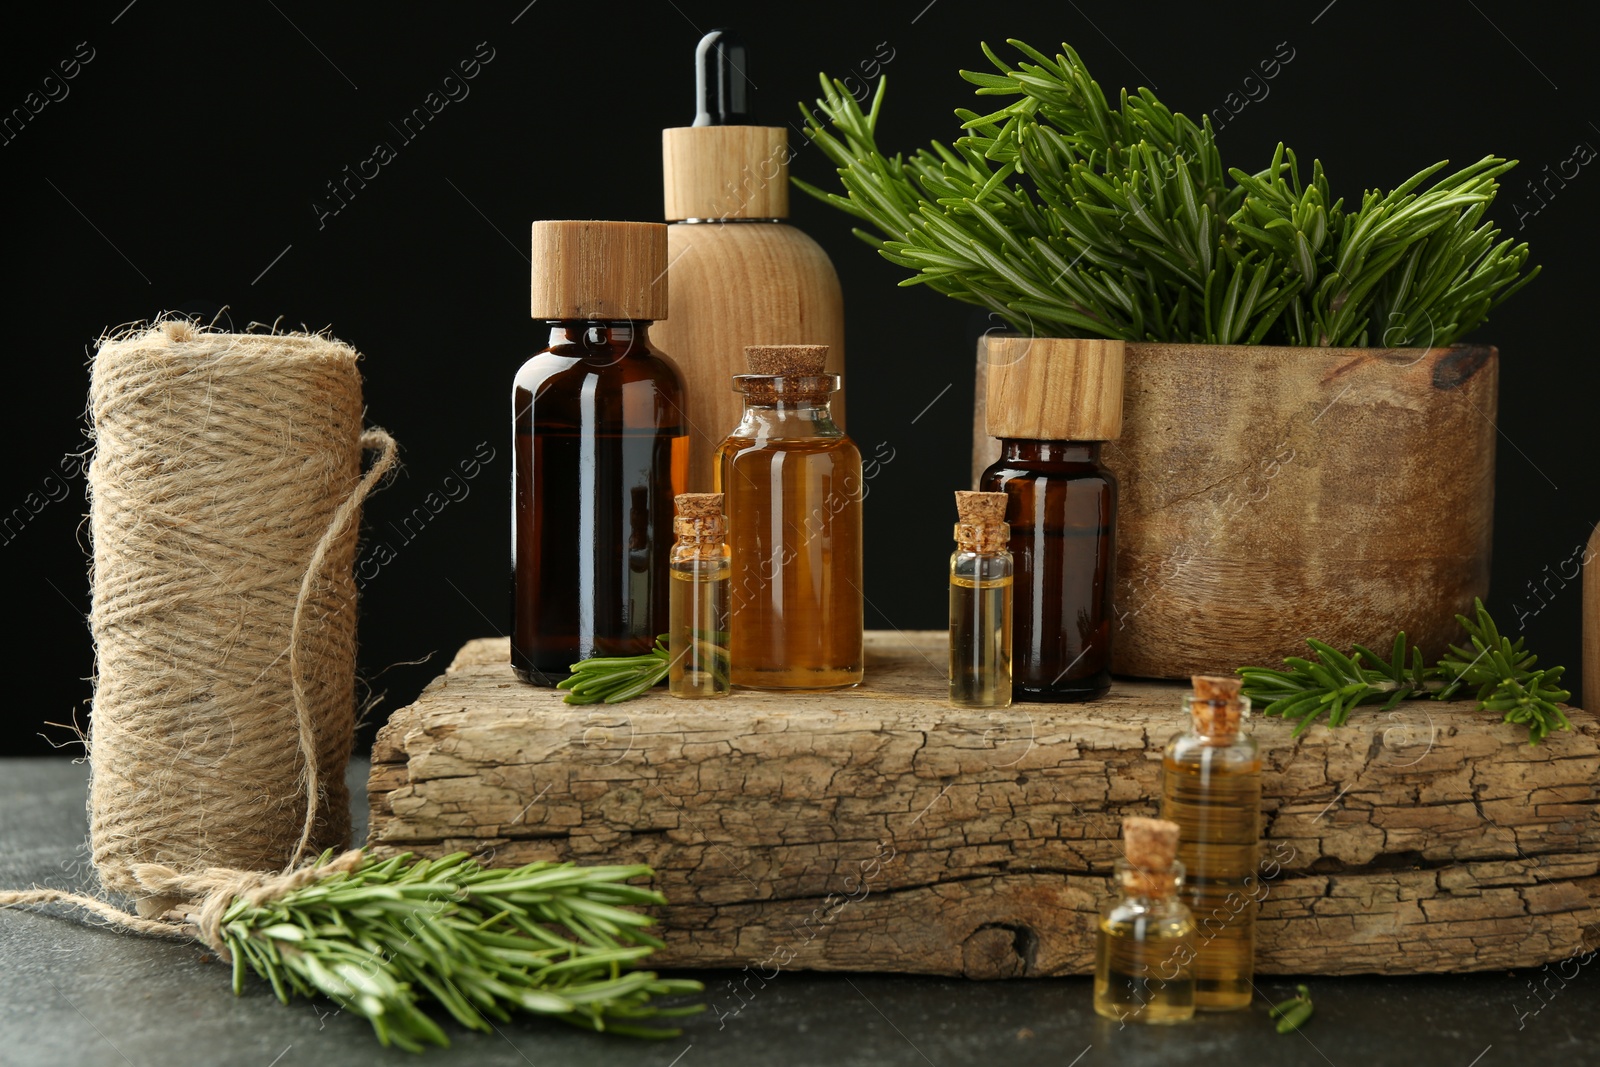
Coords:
pixel 697 642
pixel 791 480
pixel 740 274
pixel 980 603
pixel 1052 401
pixel 600 449
pixel 1144 949
pixel 1211 787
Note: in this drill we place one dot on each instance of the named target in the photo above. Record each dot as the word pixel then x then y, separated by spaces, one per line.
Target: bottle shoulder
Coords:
pixel 736 249
pixel 1168 917
pixel 577 365
pixel 1193 748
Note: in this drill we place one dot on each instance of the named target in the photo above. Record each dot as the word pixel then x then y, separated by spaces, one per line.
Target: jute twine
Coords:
pixel 225 501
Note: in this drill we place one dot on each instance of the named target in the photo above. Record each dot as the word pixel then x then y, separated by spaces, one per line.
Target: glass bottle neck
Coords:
pixel 599 333
pixel 764 417
pixel 1025 451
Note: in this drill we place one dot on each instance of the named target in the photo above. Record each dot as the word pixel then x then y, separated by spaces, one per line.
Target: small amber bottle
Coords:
pixel 1144 954
pixel 599 448
pixel 980 603
pixel 1211 787
pixel 791 481
pixel 697 639
pixel 1051 401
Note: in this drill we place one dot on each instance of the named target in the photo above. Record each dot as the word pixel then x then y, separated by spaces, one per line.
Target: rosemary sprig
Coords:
pixel 550 939
pixel 1072 215
pixel 1503 672
pixel 1334 684
pixel 616 678
pixel 1292 1013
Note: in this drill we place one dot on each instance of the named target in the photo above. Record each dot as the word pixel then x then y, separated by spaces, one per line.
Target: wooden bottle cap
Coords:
pixel 725 172
pixel 1216 708
pixel 699 505
pixel 1149 844
pixel 1054 388
pixel 599 270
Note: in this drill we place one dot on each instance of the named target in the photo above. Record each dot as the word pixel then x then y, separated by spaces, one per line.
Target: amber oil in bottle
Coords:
pixel 1211 787
pixel 697 638
pixel 980 603
pixel 791 481
pixel 1144 953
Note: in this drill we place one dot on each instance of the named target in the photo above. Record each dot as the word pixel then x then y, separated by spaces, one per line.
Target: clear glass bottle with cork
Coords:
pixel 1052 401
pixel 600 448
pixel 791 482
pixel 1211 787
pixel 980 603
pixel 697 640
pixel 1144 949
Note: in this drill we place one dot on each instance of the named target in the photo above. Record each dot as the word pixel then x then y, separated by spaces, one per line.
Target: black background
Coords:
pixel 188 153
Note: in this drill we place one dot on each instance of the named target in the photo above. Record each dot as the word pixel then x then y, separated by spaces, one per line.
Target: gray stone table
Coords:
pixel 79 996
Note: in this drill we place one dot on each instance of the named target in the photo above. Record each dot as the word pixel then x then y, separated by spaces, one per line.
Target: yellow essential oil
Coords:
pixel 1144 948
pixel 980 603
pixel 1211 787
pixel 697 634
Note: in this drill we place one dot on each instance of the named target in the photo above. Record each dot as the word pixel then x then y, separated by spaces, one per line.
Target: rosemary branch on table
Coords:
pixel 551 939
pixel 614 679
pixel 1332 683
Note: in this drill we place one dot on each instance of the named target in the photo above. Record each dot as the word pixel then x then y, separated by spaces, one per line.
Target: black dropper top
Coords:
pixel 721 96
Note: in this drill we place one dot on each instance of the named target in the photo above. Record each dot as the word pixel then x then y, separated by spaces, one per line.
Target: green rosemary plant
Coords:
pixel 614 679
pixel 1334 684
pixel 1068 216
pixel 550 939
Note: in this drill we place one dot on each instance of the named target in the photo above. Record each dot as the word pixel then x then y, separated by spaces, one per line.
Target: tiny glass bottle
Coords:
pixel 791 482
pixel 599 448
pixel 1211 787
pixel 1144 952
pixel 697 639
pixel 980 603
pixel 1052 401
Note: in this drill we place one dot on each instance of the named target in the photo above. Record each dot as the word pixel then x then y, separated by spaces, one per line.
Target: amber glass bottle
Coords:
pixel 1211 787
pixel 600 449
pixel 1051 402
pixel 791 481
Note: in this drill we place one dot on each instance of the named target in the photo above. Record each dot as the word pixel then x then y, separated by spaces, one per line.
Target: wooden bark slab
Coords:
pixel 879 829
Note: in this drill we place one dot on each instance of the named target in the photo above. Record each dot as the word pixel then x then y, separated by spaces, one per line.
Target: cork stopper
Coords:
pixel 699 524
pixel 1054 388
pixel 786 359
pixel 725 172
pixel 981 521
pixel 786 372
pixel 1215 706
pixel 599 270
pixel 1151 846
pixel 699 505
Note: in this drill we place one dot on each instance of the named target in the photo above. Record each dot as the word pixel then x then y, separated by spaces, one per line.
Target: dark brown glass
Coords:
pixel 600 450
pixel 1062 511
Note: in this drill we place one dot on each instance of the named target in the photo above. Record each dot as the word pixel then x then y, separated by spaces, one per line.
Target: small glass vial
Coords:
pixel 697 639
pixel 791 481
pixel 1144 953
pixel 599 449
pixel 980 603
pixel 1211 787
pixel 1051 401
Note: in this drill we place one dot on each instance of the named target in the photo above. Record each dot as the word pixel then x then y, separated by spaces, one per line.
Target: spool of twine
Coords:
pixel 225 499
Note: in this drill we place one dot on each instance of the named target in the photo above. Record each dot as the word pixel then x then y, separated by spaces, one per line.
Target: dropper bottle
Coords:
pixel 980 603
